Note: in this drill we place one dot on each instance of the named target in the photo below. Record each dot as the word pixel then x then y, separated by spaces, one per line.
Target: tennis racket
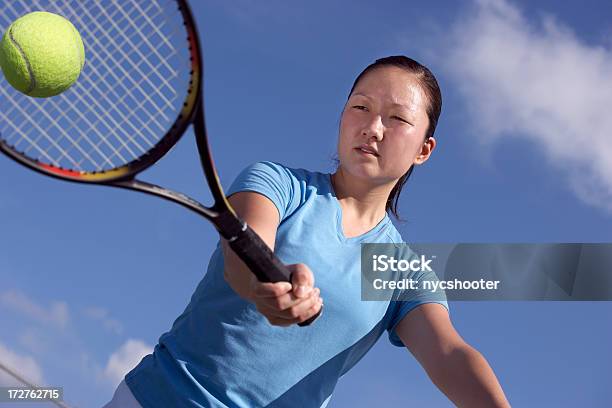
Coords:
pixel 140 89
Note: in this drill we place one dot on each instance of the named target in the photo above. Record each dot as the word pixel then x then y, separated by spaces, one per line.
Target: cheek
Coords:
pixel 351 121
pixel 344 136
pixel 401 154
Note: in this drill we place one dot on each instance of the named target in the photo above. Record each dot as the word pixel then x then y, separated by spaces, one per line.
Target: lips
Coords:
pixel 368 150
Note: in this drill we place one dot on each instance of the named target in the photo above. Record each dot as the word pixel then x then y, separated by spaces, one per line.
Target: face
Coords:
pixel 383 126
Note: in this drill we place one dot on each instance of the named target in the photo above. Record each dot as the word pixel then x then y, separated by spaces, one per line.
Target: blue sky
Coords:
pixel 91 277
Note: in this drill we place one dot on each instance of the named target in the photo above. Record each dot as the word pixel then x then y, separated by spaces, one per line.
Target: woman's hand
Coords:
pixel 284 303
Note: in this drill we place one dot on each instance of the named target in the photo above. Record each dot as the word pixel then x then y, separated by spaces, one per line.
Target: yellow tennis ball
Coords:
pixel 42 54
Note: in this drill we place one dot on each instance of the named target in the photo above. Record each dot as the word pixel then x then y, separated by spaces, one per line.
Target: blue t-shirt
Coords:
pixel 221 352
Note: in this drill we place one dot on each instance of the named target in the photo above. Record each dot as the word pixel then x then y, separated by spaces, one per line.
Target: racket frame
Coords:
pixel 242 239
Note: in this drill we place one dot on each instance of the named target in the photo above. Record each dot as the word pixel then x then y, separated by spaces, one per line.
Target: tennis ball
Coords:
pixel 42 54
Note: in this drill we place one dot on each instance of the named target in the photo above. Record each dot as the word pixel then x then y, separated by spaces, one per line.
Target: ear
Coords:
pixel 426 149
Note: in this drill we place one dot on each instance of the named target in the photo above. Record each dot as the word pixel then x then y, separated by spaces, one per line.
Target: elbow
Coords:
pixel 443 368
pixel 466 378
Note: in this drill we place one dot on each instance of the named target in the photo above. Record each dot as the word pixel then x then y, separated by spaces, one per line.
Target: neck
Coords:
pixel 359 199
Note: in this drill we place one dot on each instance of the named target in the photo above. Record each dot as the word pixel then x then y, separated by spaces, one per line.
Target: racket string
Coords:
pixel 138 86
pixel 65 135
pixel 125 119
pixel 34 143
pixel 128 113
pixel 155 87
pixel 154 48
pixel 127 96
pixel 47 155
pixel 25 137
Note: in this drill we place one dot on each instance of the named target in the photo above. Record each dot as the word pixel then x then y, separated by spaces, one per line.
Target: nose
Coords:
pixel 374 128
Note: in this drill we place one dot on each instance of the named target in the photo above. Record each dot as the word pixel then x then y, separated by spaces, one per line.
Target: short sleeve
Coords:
pixel 400 308
pixel 270 179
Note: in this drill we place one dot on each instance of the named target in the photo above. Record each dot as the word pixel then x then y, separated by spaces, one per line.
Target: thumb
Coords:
pixel 302 279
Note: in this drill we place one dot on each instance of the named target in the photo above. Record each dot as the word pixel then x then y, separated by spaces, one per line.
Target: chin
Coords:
pixel 365 171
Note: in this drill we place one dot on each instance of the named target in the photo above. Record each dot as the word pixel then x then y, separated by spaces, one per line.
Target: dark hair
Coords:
pixel 430 87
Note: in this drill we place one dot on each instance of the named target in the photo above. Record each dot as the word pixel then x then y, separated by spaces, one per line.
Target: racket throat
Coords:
pixel 175 197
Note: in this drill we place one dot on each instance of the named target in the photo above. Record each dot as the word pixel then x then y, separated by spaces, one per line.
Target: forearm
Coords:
pixel 263 217
pixel 236 273
pixel 466 378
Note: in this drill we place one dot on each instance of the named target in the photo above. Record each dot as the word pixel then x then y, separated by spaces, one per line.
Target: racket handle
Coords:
pixel 260 259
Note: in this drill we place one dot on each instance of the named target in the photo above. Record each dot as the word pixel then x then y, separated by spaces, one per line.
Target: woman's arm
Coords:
pixel 282 303
pixel 457 369
pixel 262 216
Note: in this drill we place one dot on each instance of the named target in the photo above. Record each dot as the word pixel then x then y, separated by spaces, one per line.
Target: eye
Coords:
pixel 400 119
pixel 360 107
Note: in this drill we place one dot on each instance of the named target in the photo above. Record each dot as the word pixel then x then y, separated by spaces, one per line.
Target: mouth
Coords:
pixel 367 150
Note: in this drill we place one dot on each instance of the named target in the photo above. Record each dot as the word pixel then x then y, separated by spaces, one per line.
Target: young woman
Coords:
pixel 237 343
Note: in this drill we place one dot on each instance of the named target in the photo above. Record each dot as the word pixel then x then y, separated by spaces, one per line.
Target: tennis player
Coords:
pixel 237 343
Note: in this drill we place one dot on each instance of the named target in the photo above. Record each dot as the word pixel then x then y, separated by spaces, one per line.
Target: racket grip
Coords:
pixel 260 259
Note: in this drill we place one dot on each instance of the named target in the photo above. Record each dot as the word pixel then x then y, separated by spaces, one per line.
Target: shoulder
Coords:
pixel 288 188
pixel 279 169
pixel 298 178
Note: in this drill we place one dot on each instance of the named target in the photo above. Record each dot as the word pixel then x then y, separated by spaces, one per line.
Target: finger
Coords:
pixel 306 309
pixel 284 321
pixel 287 306
pixel 295 310
pixel 280 321
pixel 277 318
pixel 313 311
pixel 302 279
pixel 269 289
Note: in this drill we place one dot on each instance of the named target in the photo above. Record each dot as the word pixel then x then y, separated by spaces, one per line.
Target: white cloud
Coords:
pixel 23 365
pixel 55 314
pixel 102 315
pixel 539 82
pixel 124 359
